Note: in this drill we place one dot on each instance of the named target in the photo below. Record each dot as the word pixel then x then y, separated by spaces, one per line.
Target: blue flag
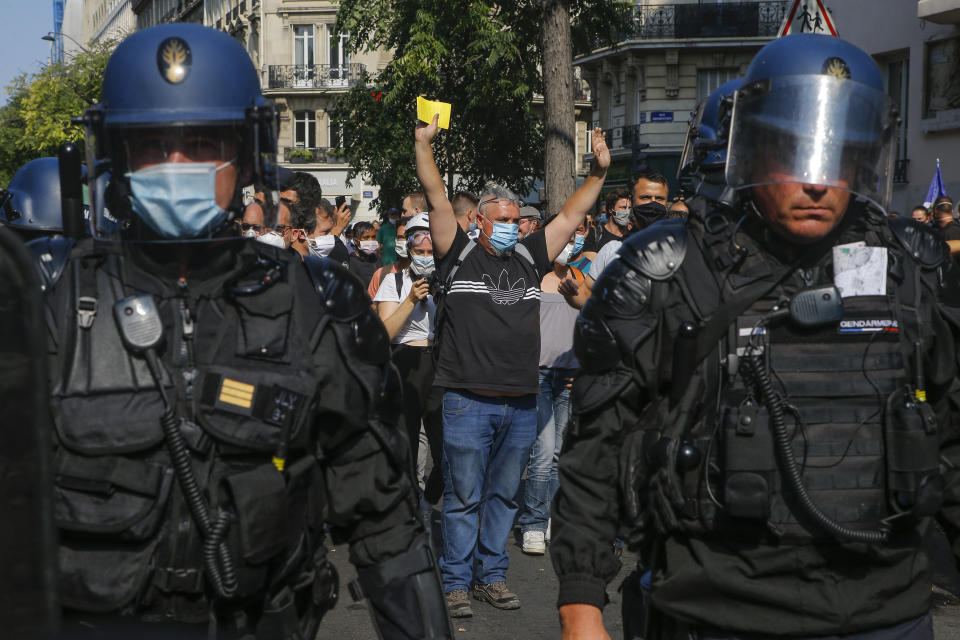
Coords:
pixel 936 189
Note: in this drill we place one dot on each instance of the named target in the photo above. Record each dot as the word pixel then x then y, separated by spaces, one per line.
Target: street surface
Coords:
pixel 533 580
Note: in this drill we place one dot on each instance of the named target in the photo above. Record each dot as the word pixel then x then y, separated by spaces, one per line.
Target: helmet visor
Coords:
pixel 813 129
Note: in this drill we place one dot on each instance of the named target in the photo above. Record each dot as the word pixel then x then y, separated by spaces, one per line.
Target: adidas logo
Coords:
pixel 505 292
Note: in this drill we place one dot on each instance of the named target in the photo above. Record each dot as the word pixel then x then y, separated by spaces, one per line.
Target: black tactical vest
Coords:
pixel 864 439
pixel 237 360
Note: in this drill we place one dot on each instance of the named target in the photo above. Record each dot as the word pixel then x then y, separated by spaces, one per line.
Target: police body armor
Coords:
pixel 237 367
pixel 854 417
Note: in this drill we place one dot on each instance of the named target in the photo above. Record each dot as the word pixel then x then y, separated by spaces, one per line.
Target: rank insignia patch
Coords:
pixel 236 393
pixel 174 60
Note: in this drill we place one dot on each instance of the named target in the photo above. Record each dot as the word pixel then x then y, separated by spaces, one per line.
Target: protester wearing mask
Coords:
pixel 488 338
pixel 365 259
pixel 558 366
pixel 280 234
pixel 251 225
pixel 387 235
pixel 406 306
pixel 614 219
pixel 311 233
pixel 402 261
pixel 641 217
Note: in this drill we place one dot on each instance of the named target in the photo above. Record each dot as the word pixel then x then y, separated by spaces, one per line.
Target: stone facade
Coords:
pixel 674 56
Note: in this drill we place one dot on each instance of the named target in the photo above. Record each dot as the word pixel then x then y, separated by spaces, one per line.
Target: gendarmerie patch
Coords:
pixel 174 60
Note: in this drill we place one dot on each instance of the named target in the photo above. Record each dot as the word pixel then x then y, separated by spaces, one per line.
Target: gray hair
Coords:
pixel 497 191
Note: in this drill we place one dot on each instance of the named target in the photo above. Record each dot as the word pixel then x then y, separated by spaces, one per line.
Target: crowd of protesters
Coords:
pixel 478 294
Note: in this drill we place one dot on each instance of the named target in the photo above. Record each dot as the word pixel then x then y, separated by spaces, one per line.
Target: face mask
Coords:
pixel 649 212
pixel 504 236
pixel 394 221
pixel 273 239
pixel 321 246
pixel 422 266
pixel 578 244
pixel 621 217
pixel 369 246
pixel 565 254
pixel 249 233
pixel 178 199
pixel 473 226
pixel 602 219
pixel 402 248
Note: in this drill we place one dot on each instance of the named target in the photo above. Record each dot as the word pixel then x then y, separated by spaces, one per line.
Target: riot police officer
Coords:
pixel 31 208
pixel 769 393
pixel 704 156
pixel 219 405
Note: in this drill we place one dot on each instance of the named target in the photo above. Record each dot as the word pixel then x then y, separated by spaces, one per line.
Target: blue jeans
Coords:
pixel 486 444
pixel 553 411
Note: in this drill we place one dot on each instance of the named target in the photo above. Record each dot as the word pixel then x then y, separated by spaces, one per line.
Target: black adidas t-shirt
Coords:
pixel 491 329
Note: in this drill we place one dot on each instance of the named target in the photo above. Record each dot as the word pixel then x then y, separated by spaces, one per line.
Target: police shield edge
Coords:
pixel 807 16
pixel 28 601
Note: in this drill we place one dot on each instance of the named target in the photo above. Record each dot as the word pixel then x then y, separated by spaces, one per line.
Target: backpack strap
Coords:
pixel 523 252
pixel 399 277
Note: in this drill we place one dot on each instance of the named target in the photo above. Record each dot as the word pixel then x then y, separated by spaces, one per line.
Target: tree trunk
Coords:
pixel 560 127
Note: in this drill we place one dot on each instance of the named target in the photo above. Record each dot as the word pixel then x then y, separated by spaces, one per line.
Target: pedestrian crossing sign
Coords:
pixel 807 16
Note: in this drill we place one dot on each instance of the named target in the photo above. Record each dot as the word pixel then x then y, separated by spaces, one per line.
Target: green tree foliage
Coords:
pixel 482 57
pixel 36 118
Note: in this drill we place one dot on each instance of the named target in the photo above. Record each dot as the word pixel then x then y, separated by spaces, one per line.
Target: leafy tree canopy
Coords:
pixel 36 118
pixel 482 57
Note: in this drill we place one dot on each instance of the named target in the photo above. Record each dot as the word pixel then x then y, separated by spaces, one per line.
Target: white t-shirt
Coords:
pixel 419 325
pixel 606 255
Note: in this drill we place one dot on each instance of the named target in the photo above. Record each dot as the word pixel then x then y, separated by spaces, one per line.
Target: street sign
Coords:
pixel 807 16
pixel 368 194
pixel 661 116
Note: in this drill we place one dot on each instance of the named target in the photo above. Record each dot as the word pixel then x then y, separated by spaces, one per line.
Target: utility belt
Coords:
pixel 130 540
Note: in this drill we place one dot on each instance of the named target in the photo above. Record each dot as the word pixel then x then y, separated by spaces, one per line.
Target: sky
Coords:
pixel 22 25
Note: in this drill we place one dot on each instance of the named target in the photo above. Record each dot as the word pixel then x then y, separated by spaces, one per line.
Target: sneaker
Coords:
pixel 458 604
pixel 497 594
pixel 534 543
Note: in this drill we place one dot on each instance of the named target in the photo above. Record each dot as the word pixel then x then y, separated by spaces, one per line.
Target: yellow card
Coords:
pixel 427 108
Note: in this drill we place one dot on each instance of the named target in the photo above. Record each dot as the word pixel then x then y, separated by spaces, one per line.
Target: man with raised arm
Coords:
pixel 488 335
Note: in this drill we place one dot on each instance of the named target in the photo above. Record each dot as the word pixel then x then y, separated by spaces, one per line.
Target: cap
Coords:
pixel 529 212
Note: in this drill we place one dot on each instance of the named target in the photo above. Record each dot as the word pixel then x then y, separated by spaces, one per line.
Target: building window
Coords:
pixel 709 80
pixel 339 56
pixel 897 82
pixel 305 129
pixel 303 45
pixel 942 87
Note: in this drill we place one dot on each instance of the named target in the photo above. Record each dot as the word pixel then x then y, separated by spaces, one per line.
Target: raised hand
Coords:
pixel 601 154
pixel 427 132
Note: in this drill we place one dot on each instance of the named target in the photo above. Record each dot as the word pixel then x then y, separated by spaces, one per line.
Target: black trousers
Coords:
pixel 422 402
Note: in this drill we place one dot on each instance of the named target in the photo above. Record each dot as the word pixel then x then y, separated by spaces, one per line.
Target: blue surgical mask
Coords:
pixel 578 244
pixel 504 236
pixel 473 226
pixel 602 218
pixel 422 266
pixel 178 199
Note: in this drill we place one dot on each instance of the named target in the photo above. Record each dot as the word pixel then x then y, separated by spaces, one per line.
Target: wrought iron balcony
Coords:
pixel 317 76
pixel 725 20
pixel 313 155
pixel 900 171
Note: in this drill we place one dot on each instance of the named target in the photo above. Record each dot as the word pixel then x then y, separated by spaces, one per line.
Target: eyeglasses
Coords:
pixel 246 227
pixel 282 228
